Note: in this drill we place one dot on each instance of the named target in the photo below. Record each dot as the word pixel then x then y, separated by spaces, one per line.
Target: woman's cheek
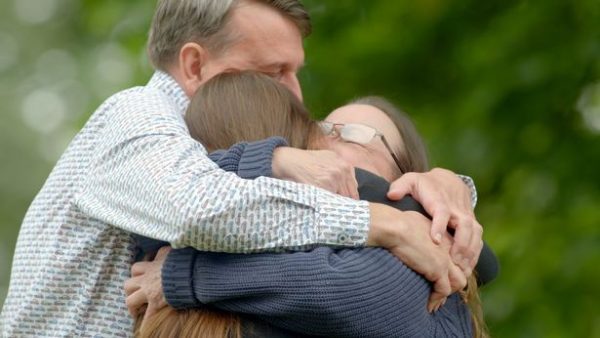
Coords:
pixel 352 153
pixel 361 158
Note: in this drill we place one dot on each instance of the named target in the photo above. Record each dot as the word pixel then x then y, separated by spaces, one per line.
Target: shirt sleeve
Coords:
pixel 349 293
pixel 148 176
pixel 248 160
pixel 471 184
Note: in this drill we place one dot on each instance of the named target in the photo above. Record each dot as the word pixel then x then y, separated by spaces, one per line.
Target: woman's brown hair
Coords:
pixel 227 109
pixel 247 106
pixel 412 152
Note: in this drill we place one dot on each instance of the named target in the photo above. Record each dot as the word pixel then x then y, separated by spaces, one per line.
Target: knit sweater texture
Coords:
pixel 326 292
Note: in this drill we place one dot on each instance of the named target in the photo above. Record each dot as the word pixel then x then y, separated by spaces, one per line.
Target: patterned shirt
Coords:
pixel 134 168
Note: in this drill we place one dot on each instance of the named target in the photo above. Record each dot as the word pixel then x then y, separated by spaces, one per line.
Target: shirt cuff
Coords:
pixel 177 279
pixel 342 221
pixel 471 184
pixel 257 158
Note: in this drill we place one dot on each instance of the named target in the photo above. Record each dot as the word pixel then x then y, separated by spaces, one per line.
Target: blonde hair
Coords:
pixel 171 323
pixel 471 296
pixel 177 22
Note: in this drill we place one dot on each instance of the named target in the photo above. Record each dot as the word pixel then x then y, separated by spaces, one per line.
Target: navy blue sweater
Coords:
pixel 360 292
pixel 335 293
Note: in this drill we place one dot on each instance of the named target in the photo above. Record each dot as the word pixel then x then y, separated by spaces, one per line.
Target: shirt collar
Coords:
pixel 167 84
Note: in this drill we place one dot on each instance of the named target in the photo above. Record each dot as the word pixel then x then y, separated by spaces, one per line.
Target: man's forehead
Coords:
pixel 265 36
pixel 257 20
pixel 258 57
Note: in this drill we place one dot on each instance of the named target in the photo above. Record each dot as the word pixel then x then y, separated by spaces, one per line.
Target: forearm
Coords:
pixel 248 160
pixel 284 290
pixel 364 292
pixel 164 187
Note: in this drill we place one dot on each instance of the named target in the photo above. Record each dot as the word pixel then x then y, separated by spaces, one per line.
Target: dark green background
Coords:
pixel 507 92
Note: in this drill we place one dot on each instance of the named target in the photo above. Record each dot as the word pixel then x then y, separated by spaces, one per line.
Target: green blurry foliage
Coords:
pixel 505 91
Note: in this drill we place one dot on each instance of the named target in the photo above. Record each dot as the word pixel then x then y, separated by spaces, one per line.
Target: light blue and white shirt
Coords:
pixel 134 168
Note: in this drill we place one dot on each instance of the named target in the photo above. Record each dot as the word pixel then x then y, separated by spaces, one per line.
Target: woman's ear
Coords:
pixel 192 60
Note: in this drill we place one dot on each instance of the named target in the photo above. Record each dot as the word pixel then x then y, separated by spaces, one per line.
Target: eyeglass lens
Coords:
pixel 357 133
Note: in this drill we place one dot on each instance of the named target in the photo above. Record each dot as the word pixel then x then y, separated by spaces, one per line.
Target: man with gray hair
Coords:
pixel 133 168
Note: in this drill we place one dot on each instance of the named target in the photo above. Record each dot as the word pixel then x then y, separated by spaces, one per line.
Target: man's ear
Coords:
pixel 192 61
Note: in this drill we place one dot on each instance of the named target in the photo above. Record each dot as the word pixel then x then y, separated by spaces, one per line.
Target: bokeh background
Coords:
pixel 505 91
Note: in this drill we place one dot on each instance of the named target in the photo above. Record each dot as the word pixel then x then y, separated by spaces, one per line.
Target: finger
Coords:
pixel 151 310
pixel 438 305
pixel 462 252
pixel 447 242
pixel 135 301
pixel 441 303
pixel 330 186
pixel 155 306
pixel 475 246
pixel 342 189
pixel 139 268
pixel 441 289
pixel 162 253
pixel 439 223
pixel 131 285
pixel 403 186
pixel 458 279
pixel 346 186
pixel 142 312
pixel 473 263
pixel 442 286
pixel 476 258
pixel 433 301
pixel 353 185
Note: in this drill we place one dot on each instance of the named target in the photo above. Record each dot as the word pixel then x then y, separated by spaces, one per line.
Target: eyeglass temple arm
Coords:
pixel 396 159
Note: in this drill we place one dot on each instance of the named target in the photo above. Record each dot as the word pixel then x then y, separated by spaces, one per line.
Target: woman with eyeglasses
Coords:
pixel 363 292
pixel 384 138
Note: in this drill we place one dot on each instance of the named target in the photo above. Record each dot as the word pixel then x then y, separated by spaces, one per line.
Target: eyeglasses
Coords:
pixel 357 133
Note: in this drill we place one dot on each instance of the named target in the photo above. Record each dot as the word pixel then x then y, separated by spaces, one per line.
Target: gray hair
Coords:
pixel 177 22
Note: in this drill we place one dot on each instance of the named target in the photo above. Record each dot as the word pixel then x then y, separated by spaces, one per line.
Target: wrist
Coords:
pixel 177 279
pixel 385 227
pixel 258 156
pixel 278 163
pixel 282 157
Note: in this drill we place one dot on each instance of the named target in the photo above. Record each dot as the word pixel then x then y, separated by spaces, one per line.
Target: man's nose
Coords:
pixel 293 84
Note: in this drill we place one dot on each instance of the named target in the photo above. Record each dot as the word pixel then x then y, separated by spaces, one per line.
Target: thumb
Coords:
pixel 162 253
pixel 151 310
pixel 155 306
